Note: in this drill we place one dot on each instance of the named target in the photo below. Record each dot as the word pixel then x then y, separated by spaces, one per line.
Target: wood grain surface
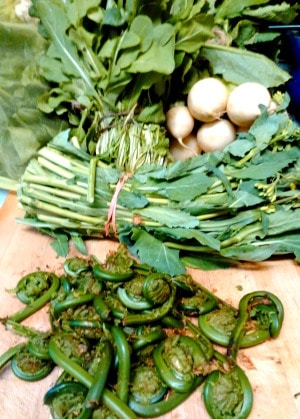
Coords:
pixel 273 368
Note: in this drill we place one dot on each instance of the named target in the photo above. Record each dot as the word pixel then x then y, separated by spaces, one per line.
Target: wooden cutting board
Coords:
pixel 273 368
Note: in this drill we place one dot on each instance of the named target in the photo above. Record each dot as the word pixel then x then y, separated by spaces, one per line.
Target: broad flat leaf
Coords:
pixel 243 198
pixel 236 66
pixel 143 28
pixel 207 262
pixel 78 9
pixel 194 32
pixel 79 244
pixel 188 187
pixel 282 13
pixel 189 234
pixel 279 222
pixel 168 217
pixel 158 58
pixel 24 128
pixel 267 166
pixel 132 200
pixel 61 244
pixel 233 8
pixel 240 147
pixel 250 252
pixel 154 253
pixel 262 250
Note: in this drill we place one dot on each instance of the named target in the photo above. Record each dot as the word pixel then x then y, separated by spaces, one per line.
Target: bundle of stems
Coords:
pixel 213 205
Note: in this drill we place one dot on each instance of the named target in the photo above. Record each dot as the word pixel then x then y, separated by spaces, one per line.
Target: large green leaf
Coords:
pixel 154 253
pixel 239 66
pixel 234 8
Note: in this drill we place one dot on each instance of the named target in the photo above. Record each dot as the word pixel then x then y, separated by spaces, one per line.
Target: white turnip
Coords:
pixel 207 99
pixel 216 135
pixel 179 122
pixel 243 103
pixel 188 148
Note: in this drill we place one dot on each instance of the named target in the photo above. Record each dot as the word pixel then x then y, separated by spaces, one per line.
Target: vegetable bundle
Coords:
pixel 114 68
pixel 128 343
pixel 241 203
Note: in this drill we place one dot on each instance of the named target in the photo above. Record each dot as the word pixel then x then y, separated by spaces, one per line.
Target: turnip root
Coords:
pixel 243 103
pixel 216 135
pixel 190 148
pixel 207 99
pixel 179 122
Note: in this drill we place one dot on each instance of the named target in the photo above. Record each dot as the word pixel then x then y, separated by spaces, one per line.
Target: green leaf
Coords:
pixel 78 9
pixel 169 217
pixel 207 263
pixel 55 24
pixel 79 243
pixel 282 13
pixel 192 234
pixel 114 16
pixel 234 8
pixel 194 32
pixel 142 27
pixel 264 249
pixel 240 147
pixel 266 126
pixel 188 187
pixel 129 40
pixel 60 244
pixel 159 57
pixel 244 198
pixel 24 128
pixel 268 165
pixel 249 252
pixel 154 253
pixel 236 66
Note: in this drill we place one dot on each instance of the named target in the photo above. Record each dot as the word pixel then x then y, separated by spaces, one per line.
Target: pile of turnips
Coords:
pixel 213 115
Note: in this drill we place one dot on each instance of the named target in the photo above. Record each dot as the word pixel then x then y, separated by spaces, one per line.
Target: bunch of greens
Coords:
pixel 114 65
pixel 241 203
pixel 24 128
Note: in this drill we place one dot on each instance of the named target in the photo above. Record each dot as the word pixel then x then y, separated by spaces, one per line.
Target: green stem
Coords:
pixel 124 363
pixel 10 353
pixel 38 303
pixel 76 371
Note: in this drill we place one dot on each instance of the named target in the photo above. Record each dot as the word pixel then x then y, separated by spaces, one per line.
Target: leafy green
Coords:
pixel 24 128
pixel 223 59
pixel 151 250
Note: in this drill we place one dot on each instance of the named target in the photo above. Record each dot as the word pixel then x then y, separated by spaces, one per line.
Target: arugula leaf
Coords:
pixel 55 23
pixel 159 57
pixel 194 32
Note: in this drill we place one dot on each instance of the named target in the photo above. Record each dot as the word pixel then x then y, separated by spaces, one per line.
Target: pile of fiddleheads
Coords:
pixel 133 342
